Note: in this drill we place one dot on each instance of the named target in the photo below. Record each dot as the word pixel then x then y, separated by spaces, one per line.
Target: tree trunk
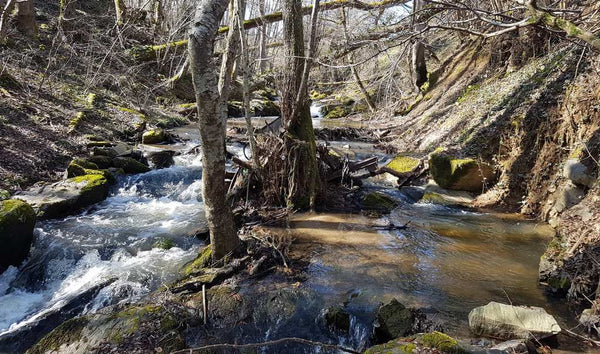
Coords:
pixel 262 42
pixel 26 18
pixel 359 82
pixel 5 11
pixel 228 58
pixel 300 140
pixel 219 217
pixel 419 65
pixel 244 65
pixel 66 13
pixel 158 16
pixel 120 11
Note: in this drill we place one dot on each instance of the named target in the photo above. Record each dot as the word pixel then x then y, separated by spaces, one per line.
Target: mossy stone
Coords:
pixel 4 194
pixel 154 136
pixel 163 243
pixel 68 332
pixel 395 320
pixel 396 346
pixel 460 174
pixel 17 220
pixel 103 162
pixel 402 165
pixel 77 167
pixel 379 201
pixel 338 111
pixel 130 165
pixel 442 342
pixel 203 260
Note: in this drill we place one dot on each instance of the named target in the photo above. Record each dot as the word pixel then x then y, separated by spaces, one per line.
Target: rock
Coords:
pixel 578 173
pixel 434 342
pixel 567 196
pixel 379 201
pixel 331 111
pixel 337 318
pixel 265 108
pixel 510 322
pixel 155 136
pixel 460 174
pixel 413 194
pixel 160 159
pixel 515 346
pixel 163 243
pixel 433 194
pixel 17 220
pixel 4 194
pixel 393 320
pixel 65 197
pixel 103 162
pixel 235 109
pixel 402 166
pixel 77 167
pixel 130 165
pixel 136 328
pixel 590 320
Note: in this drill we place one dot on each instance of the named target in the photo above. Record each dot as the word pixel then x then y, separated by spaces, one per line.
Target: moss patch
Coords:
pixel 403 164
pixel 155 136
pixel 379 201
pixel 202 261
pixel 163 243
pixel 65 334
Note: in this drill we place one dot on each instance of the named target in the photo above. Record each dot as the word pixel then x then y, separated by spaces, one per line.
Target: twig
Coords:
pixel 579 336
pixel 267 343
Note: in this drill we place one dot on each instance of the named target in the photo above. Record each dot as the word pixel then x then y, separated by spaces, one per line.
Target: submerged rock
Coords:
pixel 68 196
pixel 337 318
pixel 394 320
pixel 17 220
pixel 460 174
pixel 433 194
pixel 161 158
pixel 379 201
pixel 509 322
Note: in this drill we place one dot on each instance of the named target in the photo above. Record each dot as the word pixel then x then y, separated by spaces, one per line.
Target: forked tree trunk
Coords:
pixel 219 217
pixel 300 139
pixel 419 66
pixel 26 18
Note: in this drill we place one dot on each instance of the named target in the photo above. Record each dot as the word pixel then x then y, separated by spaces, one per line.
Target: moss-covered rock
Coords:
pixel 103 162
pixel 265 108
pixel 235 109
pixel 17 220
pixel 460 174
pixel 154 136
pixel 77 167
pixel 130 165
pixel 396 346
pixel 402 166
pixel 433 194
pixel 164 243
pixel 442 342
pixel 202 261
pixel 394 320
pixel 379 201
pixel 138 328
pixel 4 194
pixel 68 196
pixel 435 342
pixel 336 111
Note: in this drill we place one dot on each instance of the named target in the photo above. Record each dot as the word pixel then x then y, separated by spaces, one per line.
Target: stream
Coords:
pixel 447 261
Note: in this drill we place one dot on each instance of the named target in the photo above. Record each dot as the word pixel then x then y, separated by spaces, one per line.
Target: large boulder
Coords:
pixel 379 201
pixel 265 108
pixel 504 321
pixel 402 166
pixel 130 165
pixel 337 318
pixel 460 174
pixel 17 220
pixel 160 158
pixel 65 197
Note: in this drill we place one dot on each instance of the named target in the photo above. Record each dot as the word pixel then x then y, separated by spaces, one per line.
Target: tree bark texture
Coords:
pixel 419 65
pixel 26 18
pixel 219 217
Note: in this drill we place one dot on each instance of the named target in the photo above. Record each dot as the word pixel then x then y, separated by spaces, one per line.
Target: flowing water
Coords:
pixel 447 261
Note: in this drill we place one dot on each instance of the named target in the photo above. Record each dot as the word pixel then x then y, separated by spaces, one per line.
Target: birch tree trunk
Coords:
pixel 219 217
pixel 26 18
pixel 228 58
pixel 300 139
pixel 419 65
pixel 5 10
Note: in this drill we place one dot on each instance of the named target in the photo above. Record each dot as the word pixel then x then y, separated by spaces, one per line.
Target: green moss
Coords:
pixel 91 181
pixel 77 120
pixel 403 164
pixel 396 346
pixel 154 136
pixel 442 342
pixel 338 112
pixel 85 163
pixel 379 201
pixel 78 167
pixel 316 95
pixel 163 243
pixel 91 100
pixel 152 52
pixel 68 332
pixel 13 211
pixel 470 89
pixel 4 194
pixel 203 260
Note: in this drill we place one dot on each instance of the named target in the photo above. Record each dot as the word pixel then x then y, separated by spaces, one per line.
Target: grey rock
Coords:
pixel 510 322
pixel 578 173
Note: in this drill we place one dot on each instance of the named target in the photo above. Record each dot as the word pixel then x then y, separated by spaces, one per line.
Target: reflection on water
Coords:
pixel 448 261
